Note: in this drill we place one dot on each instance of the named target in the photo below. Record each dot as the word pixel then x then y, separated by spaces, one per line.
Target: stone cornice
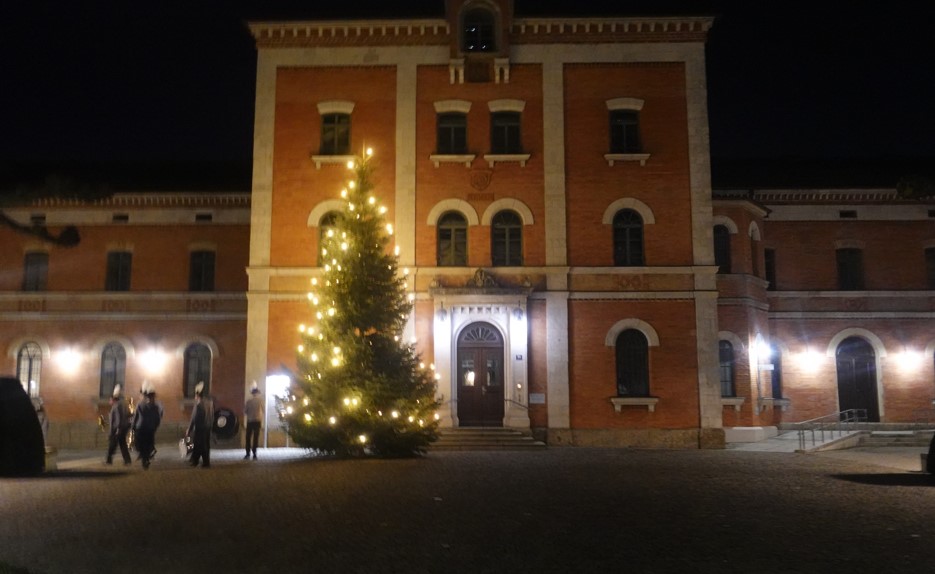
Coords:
pixel 609 30
pixel 225 200
pixel 292 34
pixel 828 196
pixel 349 33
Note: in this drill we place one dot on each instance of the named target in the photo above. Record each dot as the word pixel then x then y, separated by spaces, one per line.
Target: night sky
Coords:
pixel 174 80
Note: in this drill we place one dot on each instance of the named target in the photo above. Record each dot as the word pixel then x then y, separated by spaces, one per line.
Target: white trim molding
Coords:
pixel 508 203
pixel 336 107
pixel 635 104
pixel 452 106
pixel 323 209
pixel 726 222
pixel 622 325
pixel 459 205
pixel 628 203
pixel 871 338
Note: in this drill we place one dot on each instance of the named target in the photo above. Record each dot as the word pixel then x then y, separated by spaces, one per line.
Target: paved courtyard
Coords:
pixel 555 510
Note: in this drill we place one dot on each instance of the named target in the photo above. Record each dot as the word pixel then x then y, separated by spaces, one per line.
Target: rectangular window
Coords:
pixel 769 262
pixel 201 271
pixel 452 133
pixel 118 271
pixel 850 269
pixel 335 134
pixel 625 131
pixel 505 133
pixel 35 271
pixel 930 267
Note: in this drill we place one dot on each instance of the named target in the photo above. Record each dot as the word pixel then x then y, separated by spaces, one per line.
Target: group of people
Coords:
pixel 145 420
pixel 148 414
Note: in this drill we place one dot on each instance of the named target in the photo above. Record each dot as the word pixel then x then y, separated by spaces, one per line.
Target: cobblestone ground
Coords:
pixel 557 510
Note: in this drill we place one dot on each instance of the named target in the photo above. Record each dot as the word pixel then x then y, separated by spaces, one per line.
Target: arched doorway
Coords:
pixel 857 377
pixel 480 376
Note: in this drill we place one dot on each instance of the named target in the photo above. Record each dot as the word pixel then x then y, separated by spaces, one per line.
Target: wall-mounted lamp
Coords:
pixel 442 314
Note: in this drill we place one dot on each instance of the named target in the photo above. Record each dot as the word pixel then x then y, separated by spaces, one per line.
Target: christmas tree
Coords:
pixel 360 388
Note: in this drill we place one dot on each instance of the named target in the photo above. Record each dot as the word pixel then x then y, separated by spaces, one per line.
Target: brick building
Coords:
pixel 153 291
pixel 549 182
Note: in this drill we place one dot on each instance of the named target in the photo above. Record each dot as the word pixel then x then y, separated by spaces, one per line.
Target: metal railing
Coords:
pixel 829 427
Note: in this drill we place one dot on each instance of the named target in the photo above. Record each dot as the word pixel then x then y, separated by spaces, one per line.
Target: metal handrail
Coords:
pixel 834 424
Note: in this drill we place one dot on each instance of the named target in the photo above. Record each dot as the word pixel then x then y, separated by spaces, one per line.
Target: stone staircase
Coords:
pixel 484 438
pixel 883 438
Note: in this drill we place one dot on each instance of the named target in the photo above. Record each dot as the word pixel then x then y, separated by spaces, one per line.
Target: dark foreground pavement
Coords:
pixel 556 510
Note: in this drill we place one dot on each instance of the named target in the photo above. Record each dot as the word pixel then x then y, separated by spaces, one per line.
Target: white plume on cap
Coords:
pixel 199 387
pixel 148 388
pixel 254 389
pixel 116 390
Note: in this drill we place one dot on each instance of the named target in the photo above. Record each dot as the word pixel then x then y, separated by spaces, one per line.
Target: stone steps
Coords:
pixel 896 438
pixel 484 438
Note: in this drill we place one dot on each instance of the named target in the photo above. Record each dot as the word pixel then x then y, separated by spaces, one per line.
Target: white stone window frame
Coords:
pixel 652 340
pixel 632 104
pixel 506 105
pixel 333 107
pixel 449 107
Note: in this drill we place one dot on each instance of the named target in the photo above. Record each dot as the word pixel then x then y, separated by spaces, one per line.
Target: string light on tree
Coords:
pixel 352 363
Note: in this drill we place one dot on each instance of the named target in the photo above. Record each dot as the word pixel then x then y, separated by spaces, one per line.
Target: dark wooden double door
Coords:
pixel 857 377
pixel 480 376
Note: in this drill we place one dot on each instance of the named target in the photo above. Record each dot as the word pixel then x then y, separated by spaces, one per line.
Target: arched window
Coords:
pixel 29 367
pixel 478 31
pixel 452 240
pixel 506 239
pixel 632 354
pixel 628 238
pixel 722 248
pixel 113 368
pixel 726 360
pixel 776 374
pixel 328 223
pixel 197 368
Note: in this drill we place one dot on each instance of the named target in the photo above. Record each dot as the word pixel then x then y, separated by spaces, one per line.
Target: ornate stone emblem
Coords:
pixel 480 178
pixel 481 279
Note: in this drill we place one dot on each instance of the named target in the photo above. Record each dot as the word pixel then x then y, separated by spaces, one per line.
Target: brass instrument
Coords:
pixel 130 434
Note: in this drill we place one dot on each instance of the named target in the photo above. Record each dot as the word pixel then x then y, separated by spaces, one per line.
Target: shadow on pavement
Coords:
pixel 894 479
pixel 57 474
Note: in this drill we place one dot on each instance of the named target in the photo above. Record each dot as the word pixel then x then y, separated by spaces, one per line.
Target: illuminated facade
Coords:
pixel 826 304
pixel 153 291
pixel 549 184
pixel 574 275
